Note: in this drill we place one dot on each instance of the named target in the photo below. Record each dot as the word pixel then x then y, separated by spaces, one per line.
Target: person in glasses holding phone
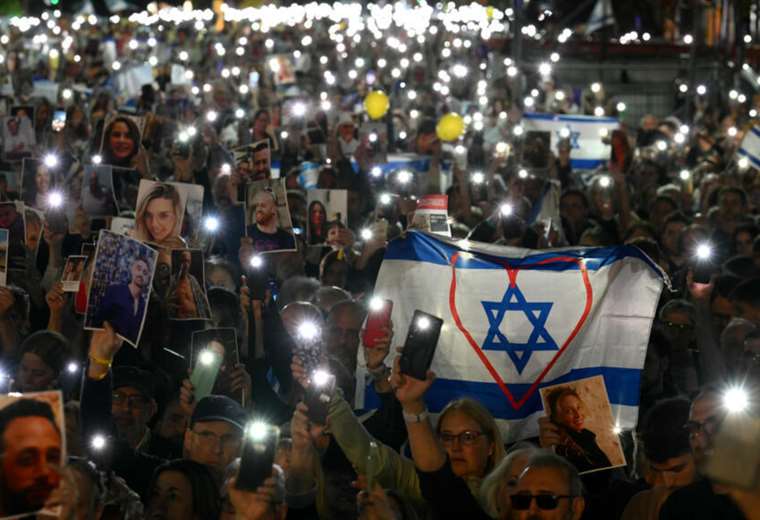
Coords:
pixel 549 488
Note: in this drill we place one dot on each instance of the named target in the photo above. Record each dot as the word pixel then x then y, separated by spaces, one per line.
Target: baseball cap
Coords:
pixel 219 408
pixel 345 119
pixel 135 377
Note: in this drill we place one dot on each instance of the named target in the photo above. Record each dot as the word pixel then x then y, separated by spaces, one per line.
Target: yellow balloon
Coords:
pixel 450 127
pixel 376 103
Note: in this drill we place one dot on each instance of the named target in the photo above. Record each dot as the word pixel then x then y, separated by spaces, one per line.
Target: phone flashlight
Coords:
pixel 684 175
pixel 96 159
pixel 478 178
pixel 211 224
pixel 366 234
pixel 385 199
pixel 522 173
pixel 736 399
pixel 98 442
pixel 404 177
pixel 299 109
pixel 239 113
pixel 50 160
pixel 257 431
pixel 308 331
pixel 376 304
pixel 506 209
pixel 704 251
pixel 320 377
pixel 376 171
pixel 605 181
pixel 257 261
pixel 423 323
pixel 72 367
pixel 225 169
pixel 211 116
pixel 55 199
pixel 206 357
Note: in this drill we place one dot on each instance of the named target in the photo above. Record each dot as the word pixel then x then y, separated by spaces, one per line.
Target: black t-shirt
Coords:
pixel 698 501
pixel 277 241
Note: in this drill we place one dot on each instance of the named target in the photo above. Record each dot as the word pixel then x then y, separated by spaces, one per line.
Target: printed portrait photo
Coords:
pixel 122 225
pixel 267 217
pixel 120 285
pixel 581 411
pixel 3 256
pixel 121 140
pixel 97 196
pixel 326 214
pixel 126 185
pixel 37 182
pixel 72 273
pixel 253 163
pixel 32 428
pixel 159 214
pixel 223 341
pixel 33 222
pixel 19 139
pixel 12 219
pixel 187 290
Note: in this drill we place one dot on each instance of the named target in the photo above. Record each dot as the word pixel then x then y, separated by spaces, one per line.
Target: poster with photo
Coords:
pixel 120 285
pixel 34 222
pixel 3 257
pixel 88 251
pixel 432 215
pixel 283 71
pixel 581 412
pixel 122 226
pixel 187 298
pixel 34 429
pixel 120 142
pixel 38 181
pixel 252 163
pixel 326 213
pixel 97 197
pixel 224 342
pixel 10 186
pixel 374 136
pixel 19 140
pixel 159 214
pixel 12 219
pixel 192 221
pixel 72 273
pixel 126 185
pixel 267 217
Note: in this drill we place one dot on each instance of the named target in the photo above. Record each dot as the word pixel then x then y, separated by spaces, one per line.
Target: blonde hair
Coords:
pixel 478 413
pixel 494 482
pixel 159 191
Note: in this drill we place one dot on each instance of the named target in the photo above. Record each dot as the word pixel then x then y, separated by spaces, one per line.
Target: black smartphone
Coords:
pixel 56 220
pixel 317 396
pixel 703 271
pixel 536 148
pixel 420 344
pixel 259 447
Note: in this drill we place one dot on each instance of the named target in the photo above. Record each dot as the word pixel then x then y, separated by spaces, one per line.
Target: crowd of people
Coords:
pixel 140 441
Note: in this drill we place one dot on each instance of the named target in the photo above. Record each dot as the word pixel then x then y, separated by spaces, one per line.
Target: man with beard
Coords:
pixel 123 306
pixel 132 404
pixel 31 452
pixel 264 230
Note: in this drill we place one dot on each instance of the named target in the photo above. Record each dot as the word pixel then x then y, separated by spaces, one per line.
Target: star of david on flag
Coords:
pixel 536 312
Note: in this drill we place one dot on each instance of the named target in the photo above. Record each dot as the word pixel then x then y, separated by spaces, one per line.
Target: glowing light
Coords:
pixel 320 377
pixel 704 251
pixel 688 39
pixel 685 175
pixel 423 323
pixel 596 87
pixel 72 367
pixel 308 330
pixel 96 159
pixel 506 209
pixel 736 399
pixel 743 163
pixel 257 431
pixel 478 178
pixel 211 116
pixel 661 146
pixel 598 111
pixel 605 181
pixel 620 106
pixel 701 90
pixel 523 173
pixel 50 160
pixel 257 261
pixel 211 224
pixel 518 130
pixel 366 234
pixel 385 199
pixel 98 442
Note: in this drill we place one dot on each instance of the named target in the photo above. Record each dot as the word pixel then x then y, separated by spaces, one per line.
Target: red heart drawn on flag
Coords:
pixel 512 273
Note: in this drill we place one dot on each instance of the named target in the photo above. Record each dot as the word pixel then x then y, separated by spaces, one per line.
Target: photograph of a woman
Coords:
pixel 326 212
pixel 317 214
pixel 158 220
pixel 37 181
pixel 121 142
pixel 581 412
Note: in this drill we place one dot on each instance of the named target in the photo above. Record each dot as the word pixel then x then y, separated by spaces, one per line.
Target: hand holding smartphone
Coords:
pixel 205 372
pixel 259 447
pixel 379 317
pixel 420 344
pixel 318 395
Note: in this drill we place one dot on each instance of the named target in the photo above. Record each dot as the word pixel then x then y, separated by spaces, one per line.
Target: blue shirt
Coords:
pixel 117 307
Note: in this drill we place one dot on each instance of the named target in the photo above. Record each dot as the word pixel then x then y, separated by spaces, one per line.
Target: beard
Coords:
pixel 26 500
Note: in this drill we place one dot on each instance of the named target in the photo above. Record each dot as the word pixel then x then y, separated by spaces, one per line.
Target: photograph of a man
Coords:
pixel 120 286
pixel 12 219
pixel 268 222
pixel 187 295
pixel 32 452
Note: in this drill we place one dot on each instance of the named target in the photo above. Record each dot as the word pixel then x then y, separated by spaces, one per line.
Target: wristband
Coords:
pixel 102 362
pixel 415 417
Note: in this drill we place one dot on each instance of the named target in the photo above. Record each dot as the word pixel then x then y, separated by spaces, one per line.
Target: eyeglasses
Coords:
pixel 545 501
pixel 226 441
pixel 131 401
pixel 682 327
pixel 708 427
pixel 466 438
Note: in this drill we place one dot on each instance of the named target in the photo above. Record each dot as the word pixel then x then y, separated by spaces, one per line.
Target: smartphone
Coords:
pixel 420 344
pixel 373 462
pixel 735 455
pixel 259 448
pixel 703 270
pixel 379 316
pixel 537 147
pixel 257 283
pixel 56 221
pixel 59 120
pixel 317 398
pixel 207 365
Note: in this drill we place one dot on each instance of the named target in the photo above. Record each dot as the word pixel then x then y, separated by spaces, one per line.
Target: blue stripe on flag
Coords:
pixel 754 160
pixel 622 387
pixel 422 247
pixel 755 131
pixel 586 164
pixel 569 119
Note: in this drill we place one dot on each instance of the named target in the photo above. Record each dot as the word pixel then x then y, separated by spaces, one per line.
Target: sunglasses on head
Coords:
pixel 545 501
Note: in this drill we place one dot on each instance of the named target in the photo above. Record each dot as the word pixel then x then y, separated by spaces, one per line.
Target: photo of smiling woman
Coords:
pixel 158 220
pixel 37 181
pixel 121 142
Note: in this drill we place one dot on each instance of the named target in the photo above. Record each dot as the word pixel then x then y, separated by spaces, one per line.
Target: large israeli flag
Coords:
pixel 750 147
pixel 516 320
pixel 584 133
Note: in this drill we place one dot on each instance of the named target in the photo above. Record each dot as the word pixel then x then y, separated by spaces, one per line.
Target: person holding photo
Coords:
pixel 564 429
pixel 123 305
pixel 158 217
pixel 317 222
pixel 187 299
pixel 121 142
pixel 265 230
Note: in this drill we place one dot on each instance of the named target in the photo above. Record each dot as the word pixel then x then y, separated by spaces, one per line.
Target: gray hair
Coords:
pixel 546 459
pixel 679 305
pixel 492 484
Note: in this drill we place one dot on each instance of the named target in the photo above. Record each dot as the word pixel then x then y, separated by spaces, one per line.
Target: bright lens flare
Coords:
pixel 320 377
pixel 423 323
pixel 308 330
pixel 366 234
pixel 506 209
pixel 256 261
pixel 206 357
pixel 55 199
pixel 736 400
pixel 211 224
pixel 376 304
pixel 704 251
pixel 257 431
pixel 98 442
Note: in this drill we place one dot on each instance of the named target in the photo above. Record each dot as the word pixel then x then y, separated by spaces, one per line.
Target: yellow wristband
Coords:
pixel 102 362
